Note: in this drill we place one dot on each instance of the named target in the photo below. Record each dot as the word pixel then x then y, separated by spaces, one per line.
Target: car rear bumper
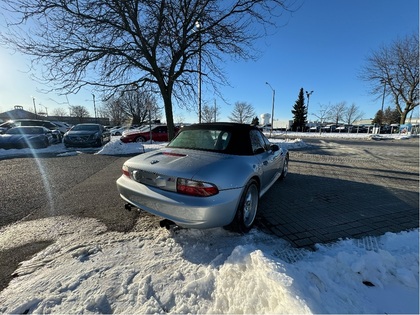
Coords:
pixel 127 140
pixel 82 143
pixel 185 211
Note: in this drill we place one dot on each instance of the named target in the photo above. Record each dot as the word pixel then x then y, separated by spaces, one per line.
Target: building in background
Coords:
pixel 19 113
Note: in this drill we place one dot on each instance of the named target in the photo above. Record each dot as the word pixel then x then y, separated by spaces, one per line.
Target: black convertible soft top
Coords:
pixel 239 143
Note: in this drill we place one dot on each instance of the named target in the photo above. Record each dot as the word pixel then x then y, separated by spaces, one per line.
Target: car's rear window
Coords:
pixel 210 140
pixel 85 127
pixel 25 131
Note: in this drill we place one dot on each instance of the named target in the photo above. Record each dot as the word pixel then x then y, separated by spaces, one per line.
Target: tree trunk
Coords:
pixel 167 101
pixel 403 117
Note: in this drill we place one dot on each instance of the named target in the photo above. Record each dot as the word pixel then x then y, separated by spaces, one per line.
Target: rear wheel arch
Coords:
pixel 247 208
pixel 285 168
pixel 140 139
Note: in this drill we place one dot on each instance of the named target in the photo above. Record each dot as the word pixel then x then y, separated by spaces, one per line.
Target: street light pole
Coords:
pixel 198 25
pixel 46 109
pixel 383 95
pixel 308 95
pixel 33 101
pixel 272 108
pixel 94 107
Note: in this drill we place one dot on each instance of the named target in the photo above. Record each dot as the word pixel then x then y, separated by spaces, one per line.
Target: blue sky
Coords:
pixel 321 47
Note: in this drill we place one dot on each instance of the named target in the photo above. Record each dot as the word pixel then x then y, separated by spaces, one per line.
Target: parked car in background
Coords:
pixel 62 126
pixel 344 128
pixel 33 122
pixel 328 128
pixel 209 175
pixel 120 130
pixel 159 133
pixel 86 135
pixel 26 137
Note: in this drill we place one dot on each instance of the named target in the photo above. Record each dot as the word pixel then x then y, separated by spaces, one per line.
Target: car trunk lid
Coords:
pixel 162 168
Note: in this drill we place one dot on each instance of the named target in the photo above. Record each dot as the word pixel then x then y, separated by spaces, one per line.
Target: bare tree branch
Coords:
pixel 242 113
pixel 109 44
pixel 351 114
pixel 394 70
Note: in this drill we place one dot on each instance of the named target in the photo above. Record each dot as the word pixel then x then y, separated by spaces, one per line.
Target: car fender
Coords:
pixel 232 172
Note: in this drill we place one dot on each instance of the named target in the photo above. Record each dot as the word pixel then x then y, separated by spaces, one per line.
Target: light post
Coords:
pixel 308 95
pixel 33 101
pixel 94 107
pixel 149 107
pixel 46 109
pixel 198 26
pixel 215 111
pixel 272 108
pixel 383 94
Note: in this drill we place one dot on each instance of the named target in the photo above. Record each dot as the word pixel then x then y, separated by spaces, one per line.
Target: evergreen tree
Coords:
pixel 391 116
pixel 379 118
pixel 299 113
pixel 255 121
pixel 387 117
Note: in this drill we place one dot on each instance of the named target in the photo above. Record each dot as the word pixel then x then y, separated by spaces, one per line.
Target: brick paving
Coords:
pixel 340 192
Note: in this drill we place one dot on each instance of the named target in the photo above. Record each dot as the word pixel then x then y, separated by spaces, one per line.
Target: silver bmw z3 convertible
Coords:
pixel 209 175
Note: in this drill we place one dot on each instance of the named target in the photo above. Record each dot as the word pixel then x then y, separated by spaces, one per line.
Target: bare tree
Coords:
pixel 336 112
pixel 242 113
pixel 210 113
pixel 394 70
pixel 107 44
pixel 79 112
pixel 137 104
pixel 322 114
pixel 59 112
pixel 132 105
pixel 351 114
pixel 112 108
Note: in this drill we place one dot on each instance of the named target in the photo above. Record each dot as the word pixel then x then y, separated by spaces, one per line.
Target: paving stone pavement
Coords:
pixel 341 190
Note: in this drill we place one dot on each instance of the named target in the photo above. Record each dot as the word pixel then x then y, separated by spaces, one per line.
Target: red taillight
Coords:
pixel 195 188
pixel 125 171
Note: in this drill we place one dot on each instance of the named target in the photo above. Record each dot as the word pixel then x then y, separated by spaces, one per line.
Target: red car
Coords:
pixel 159 134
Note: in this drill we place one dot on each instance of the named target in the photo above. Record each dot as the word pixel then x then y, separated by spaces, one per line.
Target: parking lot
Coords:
pixel 345 189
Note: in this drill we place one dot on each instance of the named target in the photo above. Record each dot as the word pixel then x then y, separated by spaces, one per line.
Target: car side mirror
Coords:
pixel 259 151
pixel 274 147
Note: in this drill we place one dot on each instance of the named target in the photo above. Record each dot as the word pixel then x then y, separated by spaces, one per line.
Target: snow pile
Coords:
pixel 154 270
pixel 116 147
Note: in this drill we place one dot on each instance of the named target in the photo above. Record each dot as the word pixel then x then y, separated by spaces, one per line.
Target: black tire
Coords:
pixel 100 142
pixel 46 143
pixel 285 169
pixel 247 208
pixel 140 139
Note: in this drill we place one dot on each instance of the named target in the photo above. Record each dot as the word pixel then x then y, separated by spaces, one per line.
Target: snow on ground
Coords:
pixel 89 270
pixel 345 135
pixel 153 270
